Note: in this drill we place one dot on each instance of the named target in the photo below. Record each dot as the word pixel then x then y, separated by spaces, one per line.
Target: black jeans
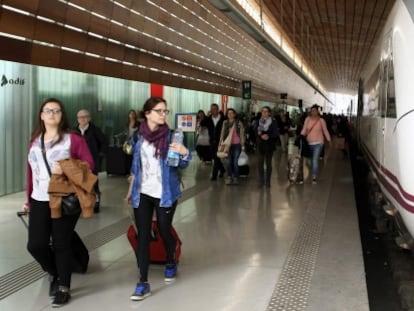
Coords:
pixel 41 227
pixel 143 220
pixel 265 159
pixel 217 164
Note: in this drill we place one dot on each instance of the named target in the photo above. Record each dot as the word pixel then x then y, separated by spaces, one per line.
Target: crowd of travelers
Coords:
pixel 154 183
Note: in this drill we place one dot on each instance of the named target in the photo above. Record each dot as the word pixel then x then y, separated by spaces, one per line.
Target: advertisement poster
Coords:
pixel 186 121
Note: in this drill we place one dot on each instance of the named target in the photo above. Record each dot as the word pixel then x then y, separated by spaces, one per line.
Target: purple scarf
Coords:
pixel 158 138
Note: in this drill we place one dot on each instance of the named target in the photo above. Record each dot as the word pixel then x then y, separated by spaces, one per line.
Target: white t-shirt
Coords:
pixel 151 183
pixel 40 174
pixel 216 119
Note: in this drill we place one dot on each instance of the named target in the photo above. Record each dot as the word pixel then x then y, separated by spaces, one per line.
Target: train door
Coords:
pixel 386 99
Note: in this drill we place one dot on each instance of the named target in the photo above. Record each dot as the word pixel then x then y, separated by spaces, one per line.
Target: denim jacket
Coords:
pixel 169 175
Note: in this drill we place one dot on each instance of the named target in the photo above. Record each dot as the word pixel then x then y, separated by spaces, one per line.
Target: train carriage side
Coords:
pixel 386 112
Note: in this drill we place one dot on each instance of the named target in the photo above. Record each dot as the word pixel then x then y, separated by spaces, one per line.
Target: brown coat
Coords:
pixel 76 178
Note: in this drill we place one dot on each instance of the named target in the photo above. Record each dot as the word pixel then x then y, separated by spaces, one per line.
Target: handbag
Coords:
pixel 243 159
pixel 70 203
pixel 304 147
pixel 127 147
pixel 224 145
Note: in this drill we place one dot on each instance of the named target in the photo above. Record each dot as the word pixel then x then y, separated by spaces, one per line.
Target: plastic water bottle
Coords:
pixel 174 157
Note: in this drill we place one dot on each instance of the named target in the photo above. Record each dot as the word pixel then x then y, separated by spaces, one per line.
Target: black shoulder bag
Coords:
pixel 70 203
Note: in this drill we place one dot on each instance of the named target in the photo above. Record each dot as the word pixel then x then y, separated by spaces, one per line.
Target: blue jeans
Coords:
pixel 232 165
pixel 315 152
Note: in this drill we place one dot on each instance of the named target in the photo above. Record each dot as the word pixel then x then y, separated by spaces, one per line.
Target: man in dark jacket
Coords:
pixel 97 145
pixel 214 123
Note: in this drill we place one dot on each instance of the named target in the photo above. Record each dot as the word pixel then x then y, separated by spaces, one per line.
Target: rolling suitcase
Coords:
pixel 244 170
pixel 293 168
pixel 80 254
pixel 157 250
pixel 117 162
pixel 204 153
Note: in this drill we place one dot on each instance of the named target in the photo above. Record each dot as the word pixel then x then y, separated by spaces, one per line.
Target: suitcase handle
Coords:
pixel 20 215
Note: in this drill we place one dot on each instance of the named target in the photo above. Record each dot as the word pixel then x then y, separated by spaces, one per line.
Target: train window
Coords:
pixel 387 84
pixel 383 89
pixel 370 96
pixel 391 103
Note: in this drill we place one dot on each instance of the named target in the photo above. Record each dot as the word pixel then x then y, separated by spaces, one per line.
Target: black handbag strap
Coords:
pixel 42 141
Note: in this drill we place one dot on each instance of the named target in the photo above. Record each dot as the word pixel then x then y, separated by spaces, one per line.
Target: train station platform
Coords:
pixel 290 247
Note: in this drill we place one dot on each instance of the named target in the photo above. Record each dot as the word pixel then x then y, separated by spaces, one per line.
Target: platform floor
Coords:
pixel 293 247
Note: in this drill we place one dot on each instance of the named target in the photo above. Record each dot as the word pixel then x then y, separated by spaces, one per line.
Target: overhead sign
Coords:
pixel 247 89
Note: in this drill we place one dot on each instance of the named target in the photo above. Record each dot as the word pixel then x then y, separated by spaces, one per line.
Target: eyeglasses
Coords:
pixel 52 111
pixel 161 111
pixel 83 117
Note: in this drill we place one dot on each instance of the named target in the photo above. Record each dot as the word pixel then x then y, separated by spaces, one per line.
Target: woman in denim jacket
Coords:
pixel 154 185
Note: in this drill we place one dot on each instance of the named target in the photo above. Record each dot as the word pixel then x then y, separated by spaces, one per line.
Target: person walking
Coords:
pixel 52 141
pixel 267 132
pixel 203 140
pixel 284 124
pixel 97 144
pixel 154 185
pixel 342 131
pixel 132 125
pixel 233 126
pixel 214 123
pixel 315 131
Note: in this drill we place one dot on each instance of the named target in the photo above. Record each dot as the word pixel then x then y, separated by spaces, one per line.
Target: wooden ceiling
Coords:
pixel 335 37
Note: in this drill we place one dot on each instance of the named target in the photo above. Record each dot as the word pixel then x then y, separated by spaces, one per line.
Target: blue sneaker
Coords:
pixel 142 290
pixel 170 272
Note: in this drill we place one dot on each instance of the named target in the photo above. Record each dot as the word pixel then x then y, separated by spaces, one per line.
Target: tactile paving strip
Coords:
pixel 292 290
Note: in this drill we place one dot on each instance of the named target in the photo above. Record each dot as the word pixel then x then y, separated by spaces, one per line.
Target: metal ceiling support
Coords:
pixel 281 14
pixel 261 15
pixel 294 23
pixel 234 14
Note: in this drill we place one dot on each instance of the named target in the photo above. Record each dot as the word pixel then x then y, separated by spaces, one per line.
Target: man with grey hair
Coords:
pixel 96 141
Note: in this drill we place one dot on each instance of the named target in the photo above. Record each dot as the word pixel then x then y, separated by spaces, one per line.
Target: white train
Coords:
pixel 385 118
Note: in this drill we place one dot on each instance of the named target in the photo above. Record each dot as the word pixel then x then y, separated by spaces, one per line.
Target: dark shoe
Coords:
pixel 62 297
pixel 221 175
pixel 54 286
pixel 96 208
pixel 213 178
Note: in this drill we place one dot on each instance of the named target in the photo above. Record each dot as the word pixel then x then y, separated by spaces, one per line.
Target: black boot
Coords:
pixel 261 181
pixel 96 208
pixel 267 181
